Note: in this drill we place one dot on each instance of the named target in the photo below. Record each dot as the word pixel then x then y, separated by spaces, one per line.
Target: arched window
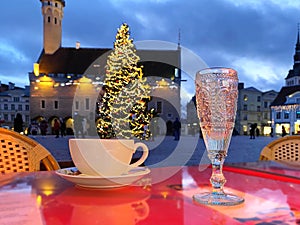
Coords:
pixel 55 20
pixel 49 19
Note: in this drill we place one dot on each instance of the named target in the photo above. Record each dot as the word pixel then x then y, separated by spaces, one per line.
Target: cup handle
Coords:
pixel 144 156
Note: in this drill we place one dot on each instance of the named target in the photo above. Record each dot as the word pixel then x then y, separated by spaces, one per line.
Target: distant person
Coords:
pixel 62 128
pixel 84 127
pixel 18 123
pixel 43 127
pixel 252 131
pixel 56 128
pixel 78 125
pixel 177 127
pixel 257 132
pixel 146 131
pixel 271 133
pixel 34 128
pixel 284 133
pixel 235 132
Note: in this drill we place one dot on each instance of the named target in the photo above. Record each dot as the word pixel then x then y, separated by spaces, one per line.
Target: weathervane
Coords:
pixel 179 37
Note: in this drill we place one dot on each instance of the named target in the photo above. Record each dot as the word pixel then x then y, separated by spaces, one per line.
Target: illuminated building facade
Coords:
pixel 60 73
pixel 192 119
pixel 13 100
pixel 286 107
pixel 254 108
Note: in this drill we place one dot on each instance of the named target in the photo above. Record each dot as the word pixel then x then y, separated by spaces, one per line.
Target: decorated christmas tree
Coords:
pixel 122 106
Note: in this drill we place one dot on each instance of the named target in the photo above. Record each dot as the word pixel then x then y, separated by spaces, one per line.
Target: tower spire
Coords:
pixel 297 48
pixel 179 37
pixel 298 39
pixel 290 79
pixel 178 70
pixel 52 11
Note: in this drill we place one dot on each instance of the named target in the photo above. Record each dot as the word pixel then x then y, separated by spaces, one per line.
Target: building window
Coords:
pixel 5 106
pixel 159 107
pixel 245 107
pixel 258 117
pixel 49 3
pixel 20 108
pixel 265 105
pixel 265 116
pixel 87 104
pixel 278 115
pixel 258 108
pixel 16 99
pixel 245 117
pixel 27 107
pixel 297 115
pixel 55 4
pixel 245 98
pixel 49 19
pixel 27 118
pixel 176 72
pixel 43 104
pixel 258 98
pixel 76 105
pixel 55 20
pixel 6 117
pixel 55 105
pixel 286 115
pixel 13 107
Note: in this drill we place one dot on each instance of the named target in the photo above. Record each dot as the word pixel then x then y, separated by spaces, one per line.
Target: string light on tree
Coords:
pixel 122 106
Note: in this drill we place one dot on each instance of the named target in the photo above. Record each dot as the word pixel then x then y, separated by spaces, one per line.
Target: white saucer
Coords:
pixel 87 181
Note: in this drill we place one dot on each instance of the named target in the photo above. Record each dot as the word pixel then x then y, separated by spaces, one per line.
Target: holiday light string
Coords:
pixel 122 109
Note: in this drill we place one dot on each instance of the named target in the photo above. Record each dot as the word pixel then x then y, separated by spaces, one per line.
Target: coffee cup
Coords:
pixel 105 157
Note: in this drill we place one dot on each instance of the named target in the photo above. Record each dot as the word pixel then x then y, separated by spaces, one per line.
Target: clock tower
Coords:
pixel 53 11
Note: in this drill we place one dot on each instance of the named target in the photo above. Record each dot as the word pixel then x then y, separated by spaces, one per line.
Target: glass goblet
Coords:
pixel 216 98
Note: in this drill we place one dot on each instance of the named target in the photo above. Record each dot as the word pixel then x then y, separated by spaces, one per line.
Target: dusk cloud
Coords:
pixel 255 37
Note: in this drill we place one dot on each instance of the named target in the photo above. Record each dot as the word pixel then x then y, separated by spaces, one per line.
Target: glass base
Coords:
pixel 218 199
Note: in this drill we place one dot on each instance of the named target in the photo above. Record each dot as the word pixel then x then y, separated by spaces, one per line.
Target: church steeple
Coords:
pixel 297 49
pixel 293 77
pixel 52 11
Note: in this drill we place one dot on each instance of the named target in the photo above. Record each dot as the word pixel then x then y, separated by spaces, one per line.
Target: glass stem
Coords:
pixel 217 179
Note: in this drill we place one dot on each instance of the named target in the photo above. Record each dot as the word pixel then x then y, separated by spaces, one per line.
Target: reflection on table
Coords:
pixel 162 197
pixel 283 170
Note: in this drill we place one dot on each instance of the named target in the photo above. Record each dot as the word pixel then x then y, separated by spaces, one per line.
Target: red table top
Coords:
pixel 165 197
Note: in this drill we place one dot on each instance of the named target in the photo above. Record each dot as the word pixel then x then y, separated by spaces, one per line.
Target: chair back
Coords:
pixel 283 149
pixel 19 153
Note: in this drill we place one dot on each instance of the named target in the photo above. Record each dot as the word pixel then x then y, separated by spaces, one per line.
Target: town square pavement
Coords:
pixel 165 151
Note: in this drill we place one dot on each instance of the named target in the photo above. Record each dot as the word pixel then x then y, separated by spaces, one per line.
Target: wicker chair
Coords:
pixel 282 149
pixel 19 153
